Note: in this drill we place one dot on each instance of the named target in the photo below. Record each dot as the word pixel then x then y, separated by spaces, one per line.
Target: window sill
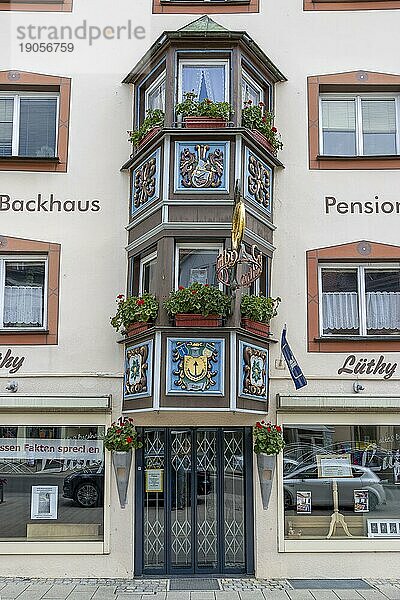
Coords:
pixel 31 163
pixel 24 331
pixel 355 162
pixel 201 6
pixel 351 4
pixel 357 338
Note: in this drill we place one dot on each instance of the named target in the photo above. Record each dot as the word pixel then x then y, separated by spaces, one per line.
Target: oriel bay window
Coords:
pixel 196 263
pixel 359 125
pixel 206 78
pixel 360 300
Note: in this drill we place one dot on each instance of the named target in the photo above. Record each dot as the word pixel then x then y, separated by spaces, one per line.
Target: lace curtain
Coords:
pixel 340 310
pixel 23 305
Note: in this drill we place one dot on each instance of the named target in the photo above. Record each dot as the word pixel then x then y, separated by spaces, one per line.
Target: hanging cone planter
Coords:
pixel 266 468
pixel 122 462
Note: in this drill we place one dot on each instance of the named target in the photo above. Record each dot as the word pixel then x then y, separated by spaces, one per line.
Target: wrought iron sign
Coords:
pixel 229 260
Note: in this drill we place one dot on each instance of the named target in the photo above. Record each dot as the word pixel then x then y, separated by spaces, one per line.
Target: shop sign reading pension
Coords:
pixel 31 449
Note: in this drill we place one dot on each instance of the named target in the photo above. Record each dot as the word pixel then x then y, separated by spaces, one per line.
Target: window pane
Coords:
pixel 339 127
pixel 197 266
pixel 382 288
pixel 6 123
pixel 37 132
pixel 379 126
pixel 340 302
pixel 207 81
pixel 67 462
pixel 156 98
pixel 148 277
pixel 24 294
pixel 250 92
pixel 368 493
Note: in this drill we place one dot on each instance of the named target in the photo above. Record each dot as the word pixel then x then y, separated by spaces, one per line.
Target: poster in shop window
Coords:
pixel 154 480
pixel 44 502
pixel 334 466
pixel 303 502
pixel 361 501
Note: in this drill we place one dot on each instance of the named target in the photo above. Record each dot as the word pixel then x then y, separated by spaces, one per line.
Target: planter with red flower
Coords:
pixel 257 312
pixel 204 114
pixel 135 313
pixel 198 306
pixel 151 125
pixel 260 121
pixel 268 442
pixel 121 438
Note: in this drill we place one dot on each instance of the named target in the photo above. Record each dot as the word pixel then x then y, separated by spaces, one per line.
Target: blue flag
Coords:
pixel 296 373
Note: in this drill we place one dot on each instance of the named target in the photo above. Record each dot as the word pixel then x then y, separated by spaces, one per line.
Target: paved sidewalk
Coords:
pixel 158 589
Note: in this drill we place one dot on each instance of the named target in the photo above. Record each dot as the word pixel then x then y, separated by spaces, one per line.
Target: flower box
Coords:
pixel 256 327
pixel 135 328
pixel 261 139
pixel 190 320
pixel 149 135
pixel 205 122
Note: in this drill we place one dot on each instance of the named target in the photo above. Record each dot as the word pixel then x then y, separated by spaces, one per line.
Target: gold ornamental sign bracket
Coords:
pixel 229 260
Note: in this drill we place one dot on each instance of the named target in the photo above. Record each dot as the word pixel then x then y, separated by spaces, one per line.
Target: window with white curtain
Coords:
pixel 360 300
pixel 206 78
pixel 23 297
pixel 155 94
pixel 251 90
pixel 28 124
pixel 366 125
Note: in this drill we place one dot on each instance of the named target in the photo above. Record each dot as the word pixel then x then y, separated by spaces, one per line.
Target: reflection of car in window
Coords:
pixel 306 477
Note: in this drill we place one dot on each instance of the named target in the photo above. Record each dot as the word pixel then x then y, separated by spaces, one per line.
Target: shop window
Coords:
pixel 196 263
pixel 353 297
pixel 37 5
pixel 147 276
pixel 34 122
pixel 29 275
pixel 52 481
pixel 351 4
pixel 360 462
pixel 206 78
pixel 205 6
pixel 353 121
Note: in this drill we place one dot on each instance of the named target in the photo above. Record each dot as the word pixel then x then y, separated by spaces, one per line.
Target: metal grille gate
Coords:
pixel 194 501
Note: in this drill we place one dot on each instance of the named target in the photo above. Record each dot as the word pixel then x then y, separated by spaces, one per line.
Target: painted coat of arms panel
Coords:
pixel 146 183
pixel 258 181
pixel 201 166
pixel 253 369
pixel 138 370
pixel 195 366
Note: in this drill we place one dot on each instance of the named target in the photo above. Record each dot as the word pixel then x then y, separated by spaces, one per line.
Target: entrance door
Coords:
pixel 194 505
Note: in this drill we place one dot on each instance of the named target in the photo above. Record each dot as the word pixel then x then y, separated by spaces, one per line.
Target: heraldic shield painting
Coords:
pixel 138 370
pixel 202 166
pixel 254 369
pixel 195 366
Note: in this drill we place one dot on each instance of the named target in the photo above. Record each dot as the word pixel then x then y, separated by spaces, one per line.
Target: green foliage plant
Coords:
pixel 198 299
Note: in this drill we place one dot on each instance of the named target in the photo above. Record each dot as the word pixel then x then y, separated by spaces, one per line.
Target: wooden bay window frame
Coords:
pixel 350 4
pixel 36 5
pixel 356 83
pixel 201 7
pixel 24 82
pixel 361 252
pixel 29 249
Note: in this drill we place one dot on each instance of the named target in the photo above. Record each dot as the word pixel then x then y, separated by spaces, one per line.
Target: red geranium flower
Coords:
pixel 208 101
pixel 140 302
pixel 258 425
pixel 261 104
pixel 274 129
pixel 264 119
pixel 268 429
pixel 279 428
pixel 120 296
pixel 249 101
pixel 194 292
pixel 119 431
pixel 181 287
pixel 206 285
pixel 129 439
